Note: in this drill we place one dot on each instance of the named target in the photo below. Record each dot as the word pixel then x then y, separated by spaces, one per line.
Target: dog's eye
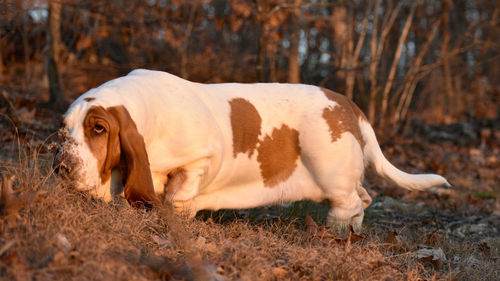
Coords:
pixel 98 129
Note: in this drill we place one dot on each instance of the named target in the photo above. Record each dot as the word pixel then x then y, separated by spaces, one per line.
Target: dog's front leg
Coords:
pixel 184 184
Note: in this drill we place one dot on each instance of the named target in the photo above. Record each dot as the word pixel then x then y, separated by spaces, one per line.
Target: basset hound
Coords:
pixel 230 146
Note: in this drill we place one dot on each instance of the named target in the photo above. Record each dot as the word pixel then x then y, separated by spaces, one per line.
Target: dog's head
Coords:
pixel 97 141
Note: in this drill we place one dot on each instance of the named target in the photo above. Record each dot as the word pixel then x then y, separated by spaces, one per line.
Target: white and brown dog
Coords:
pixel 231 146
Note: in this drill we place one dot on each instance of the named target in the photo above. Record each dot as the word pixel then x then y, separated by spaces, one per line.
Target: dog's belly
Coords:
pixel 243 187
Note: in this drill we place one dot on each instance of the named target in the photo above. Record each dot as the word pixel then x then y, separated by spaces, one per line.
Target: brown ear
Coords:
pixel 139 189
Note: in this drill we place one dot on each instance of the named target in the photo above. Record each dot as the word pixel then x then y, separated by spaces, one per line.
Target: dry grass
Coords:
pixel 65 234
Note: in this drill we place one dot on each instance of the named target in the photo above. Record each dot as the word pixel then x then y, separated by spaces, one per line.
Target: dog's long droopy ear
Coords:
pixel 139 189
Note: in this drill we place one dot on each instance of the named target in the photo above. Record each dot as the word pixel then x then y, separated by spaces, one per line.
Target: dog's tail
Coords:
pixel 376 158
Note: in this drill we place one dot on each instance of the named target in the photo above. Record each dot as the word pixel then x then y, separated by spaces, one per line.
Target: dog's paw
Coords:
pixel 185 208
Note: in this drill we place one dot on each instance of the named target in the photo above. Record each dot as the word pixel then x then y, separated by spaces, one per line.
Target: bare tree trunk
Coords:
pixel 24 38
pixel 373 64
pixel 339 21
pixel 2 67
pixel 261 57
pixel 273 71
pixel 376 51
pixel 397 55
pixel 263 10
pixel 57 100
pixel 445 55
pixel 293 56
pixel 187 36
pixel 26 51
pixel 412 77
pixel 478 68
pixel 347 56
pixel 353 59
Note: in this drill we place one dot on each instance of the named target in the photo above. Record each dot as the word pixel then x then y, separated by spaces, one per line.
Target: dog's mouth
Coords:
pixel 65 164
pixel 66 168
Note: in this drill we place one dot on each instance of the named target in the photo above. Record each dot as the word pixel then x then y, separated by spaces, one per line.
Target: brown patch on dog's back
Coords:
pixel 342 117
pixel 278 155
pixel 245 123
pixel 89 99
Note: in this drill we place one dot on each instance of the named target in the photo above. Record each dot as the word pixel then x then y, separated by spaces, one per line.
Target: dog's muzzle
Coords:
pixel 64 164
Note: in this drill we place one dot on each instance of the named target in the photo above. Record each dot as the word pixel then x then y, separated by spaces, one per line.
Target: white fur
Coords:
pixel 387 170
pixel 88 172
pixel 187 125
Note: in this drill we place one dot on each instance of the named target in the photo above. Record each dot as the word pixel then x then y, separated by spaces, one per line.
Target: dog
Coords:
pixel 224 146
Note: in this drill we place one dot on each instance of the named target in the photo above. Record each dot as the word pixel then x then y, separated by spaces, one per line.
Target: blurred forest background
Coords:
pixel 434 60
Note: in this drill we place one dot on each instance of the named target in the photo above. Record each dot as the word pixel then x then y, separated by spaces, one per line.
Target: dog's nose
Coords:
pixel 59 165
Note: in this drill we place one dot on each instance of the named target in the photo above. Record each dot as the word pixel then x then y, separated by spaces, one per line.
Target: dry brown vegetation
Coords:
pixel 426 72
pixel 66 234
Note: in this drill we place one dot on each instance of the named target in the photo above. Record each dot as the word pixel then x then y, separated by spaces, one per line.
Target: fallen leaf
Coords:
pixel 63 243
pixel 324 235
pixel 433 256
pixel 433 238
pixel 338 241
pixel 396 241
pixel 436 263
pixel 279 272
pixel 484 248
pixel 322 232
pixel 472 261
pixel 58 259
pixel 311 226
pixel 392 237
pixel 10 205
pixel 355 237
pixel 18 267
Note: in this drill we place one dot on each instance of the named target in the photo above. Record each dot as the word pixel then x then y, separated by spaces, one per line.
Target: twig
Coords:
pixel 14 119
pixel 392 72
pixel 374 62
pixel 353 59
pixel 376 53
pixel 391 222
pixel 412 78
pixel 7 246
